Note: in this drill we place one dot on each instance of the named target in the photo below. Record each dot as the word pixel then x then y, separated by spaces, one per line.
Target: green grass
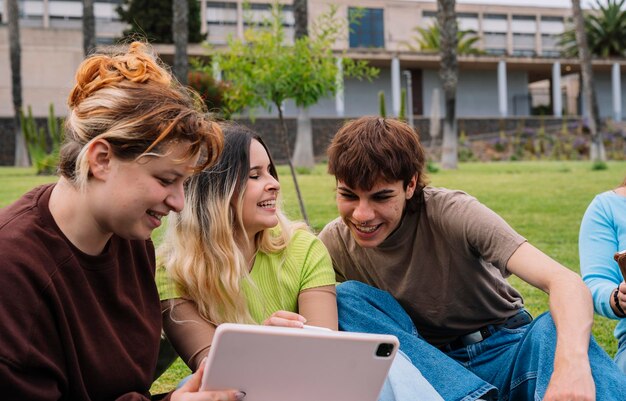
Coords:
pixel 544 201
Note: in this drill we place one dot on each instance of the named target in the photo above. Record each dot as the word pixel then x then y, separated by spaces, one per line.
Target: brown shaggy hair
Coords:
pixel 371 148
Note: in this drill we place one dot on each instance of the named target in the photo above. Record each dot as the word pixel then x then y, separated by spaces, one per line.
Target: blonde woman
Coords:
pixel 232 256
pixel 79 307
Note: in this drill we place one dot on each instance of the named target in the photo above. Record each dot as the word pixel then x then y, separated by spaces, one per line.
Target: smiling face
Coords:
pixel 372 215
pixel 134 195
pixel 259 198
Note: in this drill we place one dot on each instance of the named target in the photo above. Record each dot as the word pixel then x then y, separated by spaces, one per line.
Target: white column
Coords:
pixel 340 106
pixel 395 85
pixel 557 101
pixel 502 89
pixel 538 43
pixel 5 12
pixel 45 15
pixel 616 85
pixel 240 19
pixel 509 34
pixel 203 24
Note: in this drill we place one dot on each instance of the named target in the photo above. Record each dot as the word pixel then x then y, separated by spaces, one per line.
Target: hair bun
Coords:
pixel 137 65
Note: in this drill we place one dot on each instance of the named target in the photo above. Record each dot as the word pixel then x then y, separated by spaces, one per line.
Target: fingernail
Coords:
pixel 239 395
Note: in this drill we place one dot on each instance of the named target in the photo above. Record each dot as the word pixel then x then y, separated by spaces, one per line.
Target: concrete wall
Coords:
pixel 477 92
pixel 49 60
pixel 604 93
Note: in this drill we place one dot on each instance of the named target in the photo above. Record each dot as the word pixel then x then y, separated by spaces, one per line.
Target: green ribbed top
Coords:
pixel 278 278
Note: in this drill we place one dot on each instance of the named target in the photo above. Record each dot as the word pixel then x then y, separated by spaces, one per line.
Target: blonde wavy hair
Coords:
pixel 202 247
pixel 129 99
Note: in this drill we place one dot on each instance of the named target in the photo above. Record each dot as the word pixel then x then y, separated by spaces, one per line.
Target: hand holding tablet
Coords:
pixel 310 364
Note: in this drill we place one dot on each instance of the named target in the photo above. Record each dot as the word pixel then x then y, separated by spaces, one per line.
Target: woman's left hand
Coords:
pixel 285 319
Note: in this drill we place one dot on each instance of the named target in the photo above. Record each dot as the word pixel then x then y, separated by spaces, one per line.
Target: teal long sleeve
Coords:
pixel 602 233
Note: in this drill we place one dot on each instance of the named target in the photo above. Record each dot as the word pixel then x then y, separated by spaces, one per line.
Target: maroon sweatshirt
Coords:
pixel 73 326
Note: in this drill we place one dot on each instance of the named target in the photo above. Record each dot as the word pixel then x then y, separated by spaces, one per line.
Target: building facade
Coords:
pixel 520 72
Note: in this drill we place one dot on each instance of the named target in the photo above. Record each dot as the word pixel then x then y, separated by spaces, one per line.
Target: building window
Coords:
pixel 495 23
pixel 221 13
pixel 468 21
pixel 369 29
pixel 523 41
pixel 524 52
pixel 259 13
pixel 552 25
pixel 550 45
pixel 524 24
pixel 494 42
pixel 501 17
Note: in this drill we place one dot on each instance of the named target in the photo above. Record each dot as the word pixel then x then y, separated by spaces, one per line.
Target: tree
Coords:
pixel 152 19
pixel 597 147
pixel 263 71
pixel 89 28
pixel 605 28
pixel 448 73
pixel 429 40
pixel 303 150
pixel 15 54
pixel 180 32
pixel 301 18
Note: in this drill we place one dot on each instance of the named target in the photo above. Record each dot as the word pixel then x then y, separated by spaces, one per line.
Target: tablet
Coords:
pixel 286 364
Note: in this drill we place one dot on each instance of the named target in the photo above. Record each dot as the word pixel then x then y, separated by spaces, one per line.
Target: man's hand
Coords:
pixel 571 383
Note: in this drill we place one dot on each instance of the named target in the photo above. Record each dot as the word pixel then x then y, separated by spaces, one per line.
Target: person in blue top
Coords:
pixel 602 234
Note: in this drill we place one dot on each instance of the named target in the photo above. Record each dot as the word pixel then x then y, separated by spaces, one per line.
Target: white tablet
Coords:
pixel 285 364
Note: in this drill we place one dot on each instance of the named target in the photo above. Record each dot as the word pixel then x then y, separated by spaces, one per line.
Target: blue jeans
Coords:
pixel 620 356
pixel 515 363
pixel 404 381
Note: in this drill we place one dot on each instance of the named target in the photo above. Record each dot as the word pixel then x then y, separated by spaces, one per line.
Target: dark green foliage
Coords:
pixel 152 20
pixel 402 115
pixel 606 31
pixel 381 104
pixel 599 165
pixel 211 91
pixel 432 167
pixel 43 148
pixel 429 40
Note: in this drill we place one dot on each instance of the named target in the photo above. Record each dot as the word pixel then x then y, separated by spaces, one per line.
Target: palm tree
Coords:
pixel 606 31
pixel 429 40
pixel 89 28
pixel 449 75
pixel 15 50
pixel 597 147
pixel 180 33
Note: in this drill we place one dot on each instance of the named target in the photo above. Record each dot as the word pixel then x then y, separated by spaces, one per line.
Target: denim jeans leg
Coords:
pixel 520 363
pixel 404 382
pixel 620 356
pixel 363 308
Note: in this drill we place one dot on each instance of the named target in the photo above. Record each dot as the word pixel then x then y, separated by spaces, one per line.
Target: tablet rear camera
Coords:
pixel 384 349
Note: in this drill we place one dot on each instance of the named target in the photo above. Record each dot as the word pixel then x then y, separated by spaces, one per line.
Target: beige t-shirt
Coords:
pixel 445 264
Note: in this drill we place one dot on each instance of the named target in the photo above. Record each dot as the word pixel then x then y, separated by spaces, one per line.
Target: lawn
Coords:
pixel 543 201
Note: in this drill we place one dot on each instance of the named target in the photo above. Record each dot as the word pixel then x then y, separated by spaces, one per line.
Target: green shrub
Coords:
pixel 381 104
pixel 43 148
pixel 600 165
pixel 210 90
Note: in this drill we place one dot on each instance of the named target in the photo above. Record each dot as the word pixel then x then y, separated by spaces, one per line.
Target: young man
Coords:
pixel 430 265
